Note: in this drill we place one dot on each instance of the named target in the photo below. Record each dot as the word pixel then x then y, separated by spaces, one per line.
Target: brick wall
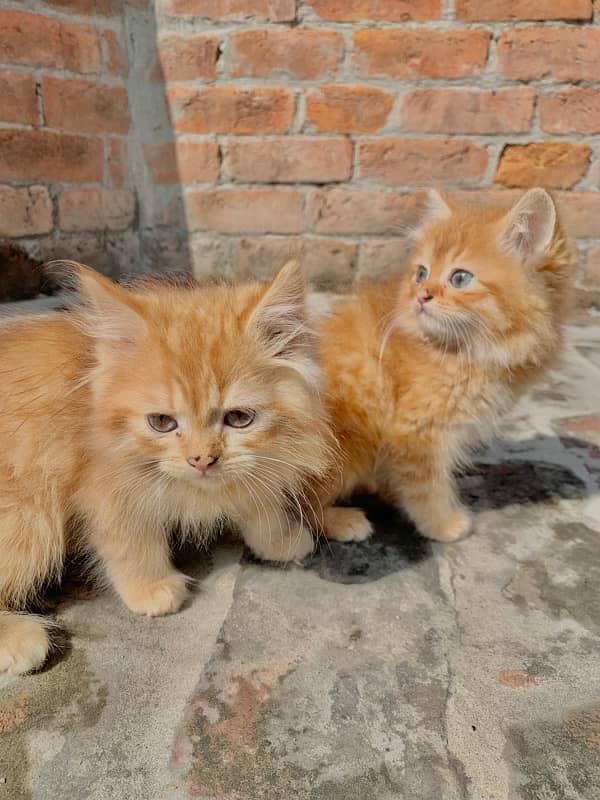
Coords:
pixel 222 135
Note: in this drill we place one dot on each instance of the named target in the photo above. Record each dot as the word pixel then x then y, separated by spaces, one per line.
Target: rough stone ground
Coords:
pixel 389 669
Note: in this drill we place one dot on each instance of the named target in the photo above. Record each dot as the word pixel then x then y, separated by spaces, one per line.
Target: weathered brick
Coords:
pixel 245 210
pixel 348 109
pixel 116 57
pixel 565 54
pixel 85 106
pixel 185 57
pixel 467 110
pixel 288 159
pixel 41 155
pixel 95 209
pixel 39 41
pixel 575 110
pixel 591 275
pixel 101 8
pixel 380 258
pixel 230 109
pixel 116 160
pixel 209 256
pixel 182 162
pixel 377 10
pixel 484 10
pixel 111 253
pixel 553 164
pixel 352 211
pixel 329 263
pixel 421 161
pixel 580 213
pixel 25 212
pixel 18 101
pixel 261 10
pixel 399 53
pixel 297 53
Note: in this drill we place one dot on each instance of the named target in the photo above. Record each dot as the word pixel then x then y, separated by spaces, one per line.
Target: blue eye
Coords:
pixel 461 278
pixel 421 273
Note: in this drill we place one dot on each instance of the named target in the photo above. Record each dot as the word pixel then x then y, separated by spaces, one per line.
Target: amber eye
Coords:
pixel 239 418
pixel 162 423
pixel 421 273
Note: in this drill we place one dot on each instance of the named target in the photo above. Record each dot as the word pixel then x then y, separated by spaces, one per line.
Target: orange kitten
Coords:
pixel 141 410
pixel 419 369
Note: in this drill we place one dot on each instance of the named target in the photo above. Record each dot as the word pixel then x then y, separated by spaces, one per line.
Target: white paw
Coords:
pixel 156 598
pixel 346 524
pixel 24 643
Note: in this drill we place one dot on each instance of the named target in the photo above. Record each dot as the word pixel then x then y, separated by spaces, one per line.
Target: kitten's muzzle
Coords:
pixel 202 463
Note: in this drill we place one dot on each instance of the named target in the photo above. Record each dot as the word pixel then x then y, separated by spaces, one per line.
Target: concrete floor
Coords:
pixel 389 669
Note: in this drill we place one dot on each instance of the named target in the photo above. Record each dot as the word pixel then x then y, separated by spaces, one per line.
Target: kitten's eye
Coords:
pixel 421 273
pixel 239 418
pixel 162 423
pixel 461 278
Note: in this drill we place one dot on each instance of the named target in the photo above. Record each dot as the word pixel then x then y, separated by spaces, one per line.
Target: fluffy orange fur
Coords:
pixel 81 464
pixel 419 369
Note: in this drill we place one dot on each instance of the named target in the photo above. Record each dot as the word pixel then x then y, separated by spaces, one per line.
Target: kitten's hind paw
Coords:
pixel 343 524
pixel 156 598
pixel 24 643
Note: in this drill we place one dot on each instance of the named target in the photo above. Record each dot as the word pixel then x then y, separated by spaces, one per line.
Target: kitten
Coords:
pixel 419 369
pixel 146 408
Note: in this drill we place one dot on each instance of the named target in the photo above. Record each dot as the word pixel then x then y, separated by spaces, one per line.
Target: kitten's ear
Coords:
pixel 113 316
pixel 527 228
pixel 437 205
pixel 280 317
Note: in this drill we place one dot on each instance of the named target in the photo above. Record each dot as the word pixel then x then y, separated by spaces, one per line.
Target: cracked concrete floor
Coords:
pixel 389 669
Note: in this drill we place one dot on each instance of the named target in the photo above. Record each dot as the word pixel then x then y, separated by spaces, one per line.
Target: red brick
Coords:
pixel 351 211
pixel 484 10
pixel 379 258
pixel 116 57
pixel 329 263
pixel 245 210
pixel 288 160
pixel 348 109
pixel 117 161
pixel 432 53
pixel 101 8
pixel 467 110
pixel 41 155
pixel 591 275
pixel 297 53
pixel 85 106
pixel 230 109
pixel 553 164
pixel 575 110
pixel 565 54
pixel 18 101
pixel 185 58
pixel 262 10
pixel 39 41
pixel 421 161
pixel 25 212
pixel 580 213
pixel 96 209
pixel 183 162
pixel 378 10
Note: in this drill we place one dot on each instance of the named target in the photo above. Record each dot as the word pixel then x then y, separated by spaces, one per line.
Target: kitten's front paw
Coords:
pixel 156 598
pixel 24 643
pixel 346 524
pixel 294 546
pixel 458 525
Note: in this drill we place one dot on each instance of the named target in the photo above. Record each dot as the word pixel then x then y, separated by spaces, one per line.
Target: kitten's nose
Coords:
pixel 424 297
pixel 202 463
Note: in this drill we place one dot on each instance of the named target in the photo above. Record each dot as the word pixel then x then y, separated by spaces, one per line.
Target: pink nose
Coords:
pixel 202 463
pixel 424 297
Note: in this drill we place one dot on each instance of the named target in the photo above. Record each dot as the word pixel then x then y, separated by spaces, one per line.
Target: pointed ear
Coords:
pixel 527 228
pixel 110 313
pixel 437 205
pixel 280 317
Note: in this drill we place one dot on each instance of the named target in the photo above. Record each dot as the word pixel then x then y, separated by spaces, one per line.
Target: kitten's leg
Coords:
pixel 342 524
pixel 24 642
pixel 273 535
pixel 426 492
pixel 138 564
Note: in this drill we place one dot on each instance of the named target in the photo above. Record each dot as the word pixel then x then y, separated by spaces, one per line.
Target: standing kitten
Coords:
pixel 419 369
pixel 144 409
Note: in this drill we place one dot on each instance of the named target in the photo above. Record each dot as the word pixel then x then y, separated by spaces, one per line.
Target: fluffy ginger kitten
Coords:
pixel 146 408
pixel 419 369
